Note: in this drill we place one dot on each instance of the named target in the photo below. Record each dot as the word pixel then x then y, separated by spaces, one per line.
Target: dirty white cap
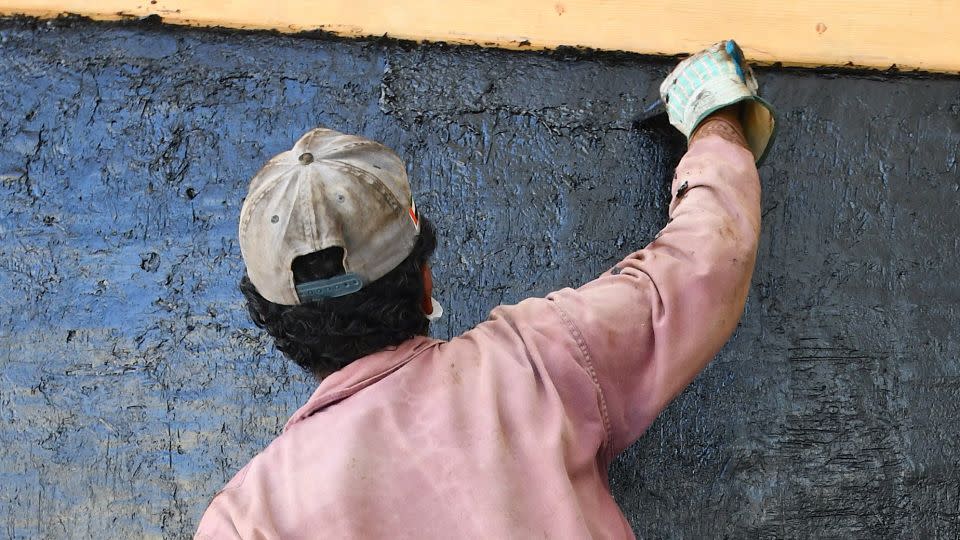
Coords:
pixel 330 190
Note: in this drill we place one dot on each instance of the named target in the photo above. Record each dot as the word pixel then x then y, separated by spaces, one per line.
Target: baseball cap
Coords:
pixel 329 190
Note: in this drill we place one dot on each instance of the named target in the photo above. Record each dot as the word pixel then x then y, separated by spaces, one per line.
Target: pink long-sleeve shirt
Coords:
pixel 507 431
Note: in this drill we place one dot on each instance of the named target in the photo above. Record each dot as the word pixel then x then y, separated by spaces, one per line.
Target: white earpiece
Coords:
pixel 437 310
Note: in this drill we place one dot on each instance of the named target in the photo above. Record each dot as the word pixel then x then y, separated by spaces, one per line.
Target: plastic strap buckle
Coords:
pixel 334 287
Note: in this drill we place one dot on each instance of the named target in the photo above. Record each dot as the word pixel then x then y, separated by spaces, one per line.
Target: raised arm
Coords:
pixel 653 322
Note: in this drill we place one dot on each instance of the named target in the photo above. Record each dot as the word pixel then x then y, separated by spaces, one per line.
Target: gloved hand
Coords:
pixel 711 80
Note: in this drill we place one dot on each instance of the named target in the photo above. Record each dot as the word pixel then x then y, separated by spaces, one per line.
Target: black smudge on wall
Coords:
pixel 132 385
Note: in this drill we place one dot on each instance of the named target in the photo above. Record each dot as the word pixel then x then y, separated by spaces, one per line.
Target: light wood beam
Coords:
pixel 910 34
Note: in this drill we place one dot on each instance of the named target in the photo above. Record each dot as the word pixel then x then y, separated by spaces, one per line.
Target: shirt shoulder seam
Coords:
pixel 344 393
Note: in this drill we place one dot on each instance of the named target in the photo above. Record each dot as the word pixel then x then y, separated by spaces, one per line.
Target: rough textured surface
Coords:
pixel 132 385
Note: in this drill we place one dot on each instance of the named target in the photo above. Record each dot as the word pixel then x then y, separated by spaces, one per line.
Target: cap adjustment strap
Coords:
pixel 334 287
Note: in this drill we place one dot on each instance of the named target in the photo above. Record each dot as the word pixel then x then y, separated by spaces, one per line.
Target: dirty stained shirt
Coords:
pixel 507 430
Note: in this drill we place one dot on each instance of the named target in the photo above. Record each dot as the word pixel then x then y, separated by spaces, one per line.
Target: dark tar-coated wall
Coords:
pixel 132 385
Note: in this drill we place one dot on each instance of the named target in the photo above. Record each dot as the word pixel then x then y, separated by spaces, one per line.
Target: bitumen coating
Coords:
pixel 133 386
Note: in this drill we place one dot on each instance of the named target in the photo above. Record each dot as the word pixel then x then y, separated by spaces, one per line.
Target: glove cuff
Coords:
pixel 758 121
pixel 759 126
pixel 757 116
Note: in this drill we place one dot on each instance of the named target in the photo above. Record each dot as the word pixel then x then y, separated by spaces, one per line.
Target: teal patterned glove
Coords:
pixel 711 80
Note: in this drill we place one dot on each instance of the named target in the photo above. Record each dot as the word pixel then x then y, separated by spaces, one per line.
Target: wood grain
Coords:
pixel 919 34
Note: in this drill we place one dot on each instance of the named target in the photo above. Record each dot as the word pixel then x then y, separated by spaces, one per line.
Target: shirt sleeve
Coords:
pixel 653 322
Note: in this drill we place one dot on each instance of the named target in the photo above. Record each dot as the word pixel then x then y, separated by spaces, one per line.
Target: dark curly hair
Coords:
pixel 326 335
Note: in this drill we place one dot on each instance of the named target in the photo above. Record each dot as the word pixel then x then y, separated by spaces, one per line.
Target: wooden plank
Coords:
pixel 914 34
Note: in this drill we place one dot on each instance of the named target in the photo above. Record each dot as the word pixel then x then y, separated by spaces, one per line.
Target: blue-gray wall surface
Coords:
pixel 132 385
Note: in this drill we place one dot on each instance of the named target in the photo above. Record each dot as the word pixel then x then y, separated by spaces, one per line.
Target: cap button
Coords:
pixel 306 158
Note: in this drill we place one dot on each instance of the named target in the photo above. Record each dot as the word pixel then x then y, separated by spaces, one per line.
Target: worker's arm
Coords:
pixel 652 323
pixel 660 315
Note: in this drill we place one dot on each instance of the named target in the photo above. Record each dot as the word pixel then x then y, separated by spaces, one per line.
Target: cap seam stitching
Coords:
pixel 261 193
pixel 381 187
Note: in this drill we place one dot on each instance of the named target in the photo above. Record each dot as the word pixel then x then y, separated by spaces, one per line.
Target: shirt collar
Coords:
pixel 360 374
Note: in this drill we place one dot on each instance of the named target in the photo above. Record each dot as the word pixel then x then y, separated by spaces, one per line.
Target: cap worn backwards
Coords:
pixel 329 190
